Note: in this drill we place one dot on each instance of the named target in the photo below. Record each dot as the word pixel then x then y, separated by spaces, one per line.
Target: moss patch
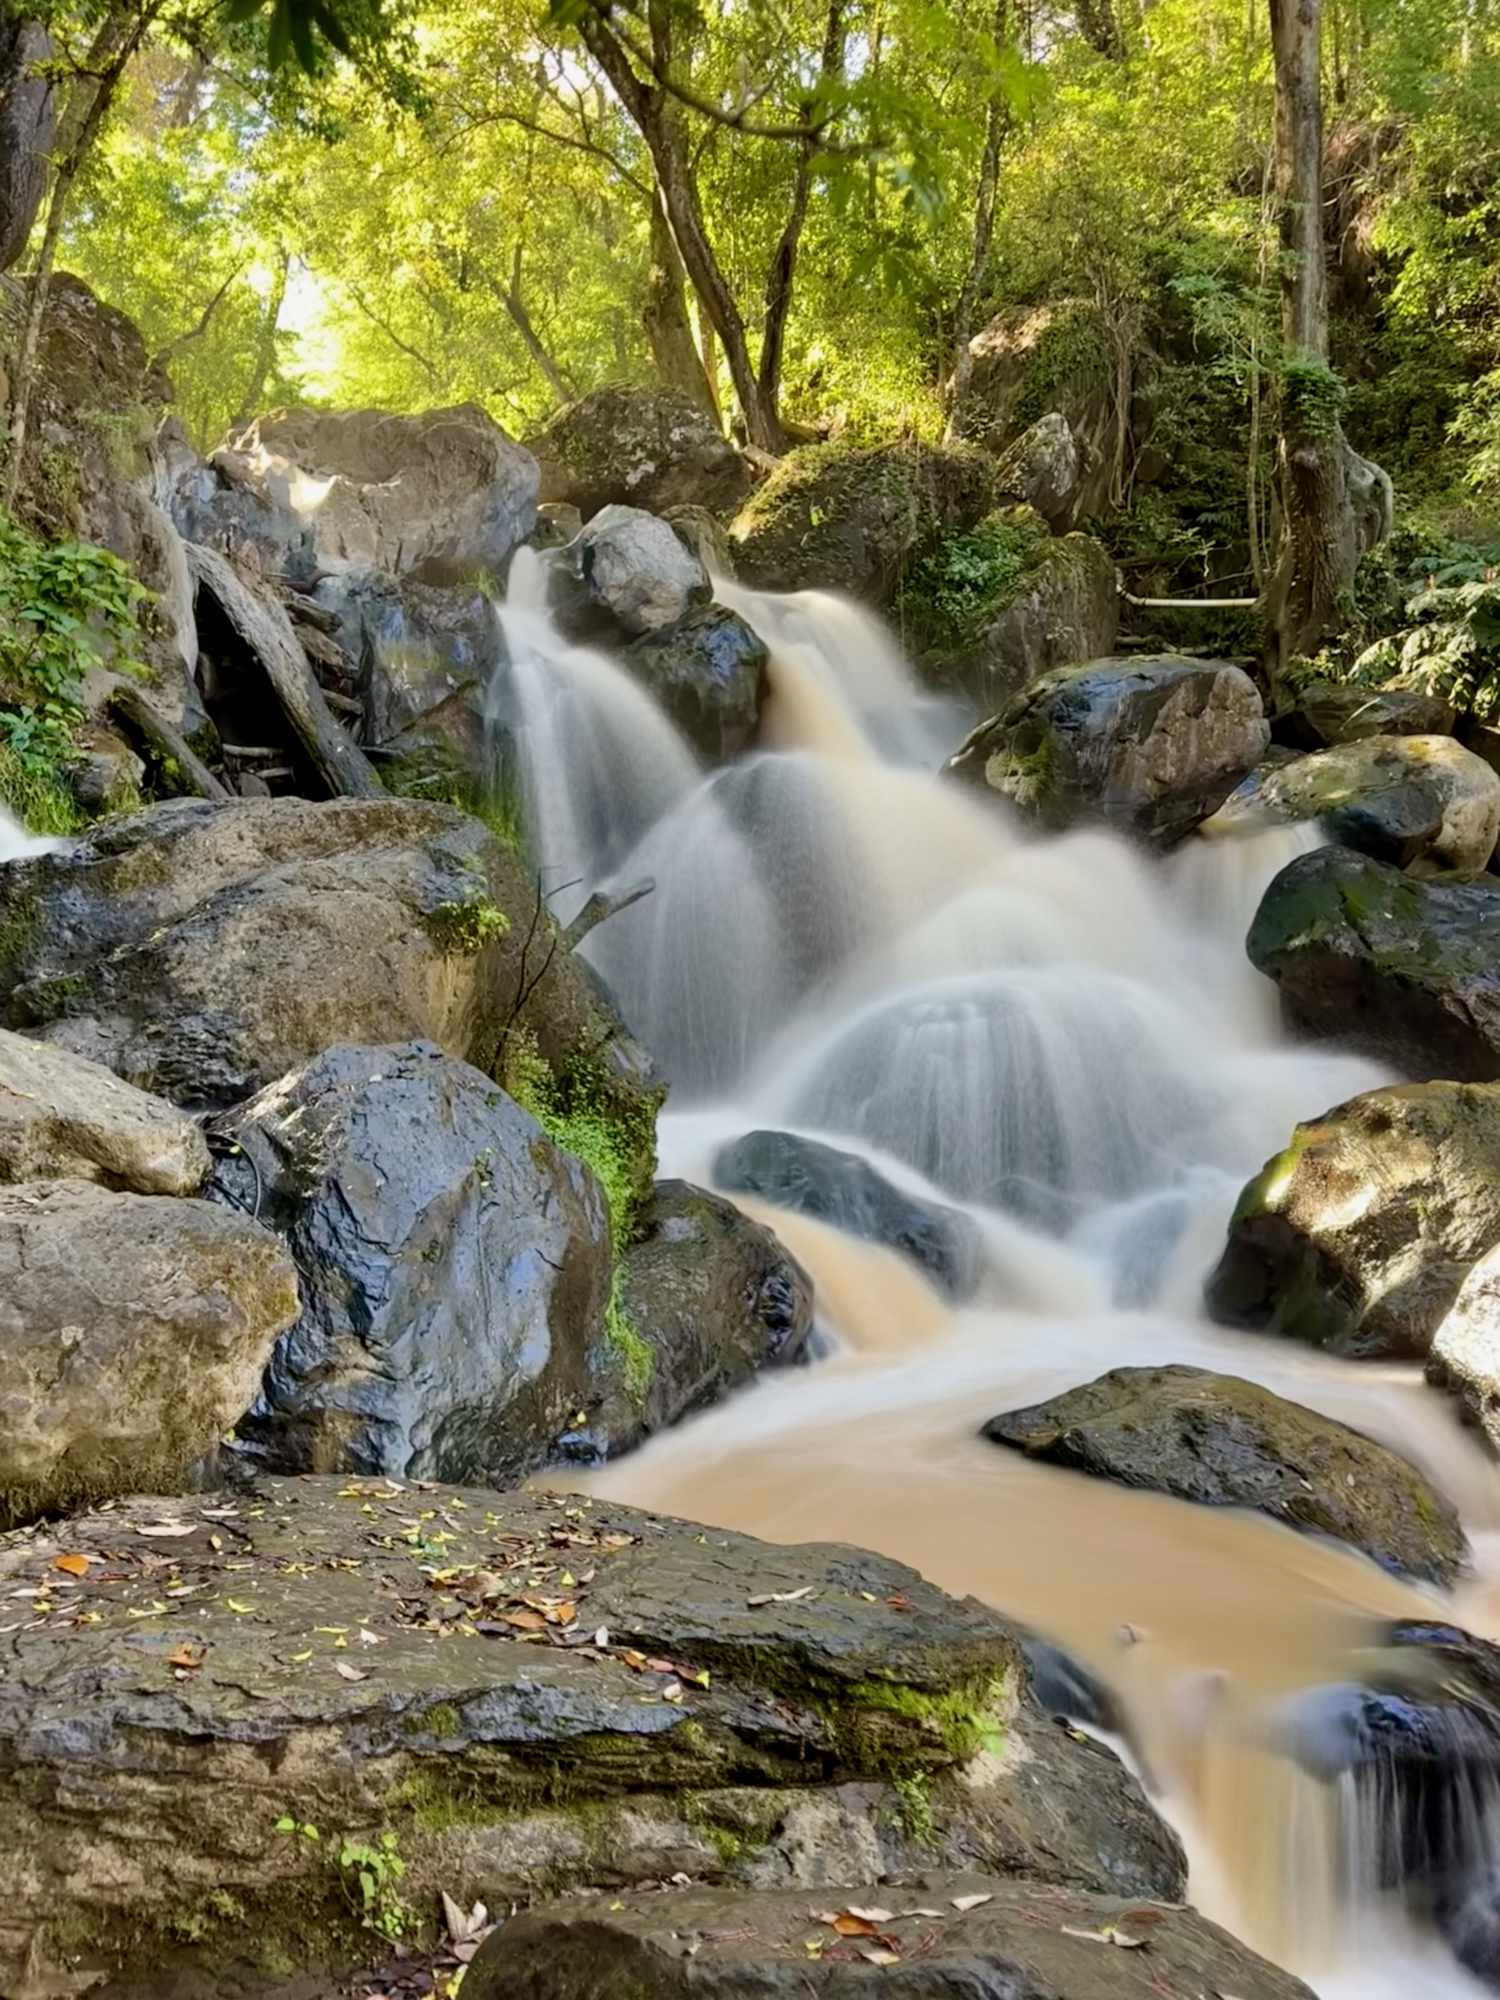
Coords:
pixel 466 928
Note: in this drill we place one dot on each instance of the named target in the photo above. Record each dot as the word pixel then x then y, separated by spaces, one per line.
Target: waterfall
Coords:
pixel 1064 1037
pixel 16 843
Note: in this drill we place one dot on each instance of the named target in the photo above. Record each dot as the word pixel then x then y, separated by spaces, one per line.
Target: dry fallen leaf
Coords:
pixel 72 1565
pixel 166 1530
pixel 782 1596
pixel 186 1656
pixel 963 1904
pixel 879 1954
pixel 524 1621
pixel 1110 1934
pixel 905 1916
pixel 870 1916
pixel 849 1925
pixel 349 1673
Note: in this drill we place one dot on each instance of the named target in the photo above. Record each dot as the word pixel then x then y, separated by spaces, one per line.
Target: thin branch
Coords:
pixel 197 332
pixel 422 360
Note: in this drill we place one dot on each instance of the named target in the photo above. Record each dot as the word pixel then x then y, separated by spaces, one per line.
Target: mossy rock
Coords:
pixel 772 1694
pixel 856 518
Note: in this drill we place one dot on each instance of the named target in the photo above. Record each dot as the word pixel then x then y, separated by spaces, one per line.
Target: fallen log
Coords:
pixel 141 716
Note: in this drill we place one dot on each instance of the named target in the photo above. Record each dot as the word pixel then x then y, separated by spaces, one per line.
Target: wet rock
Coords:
pixel 64 1118
pixel 506 1758
pixel 1223 1442
pixel 627 573
pixel 1064 1686
pixel 107 775
pixel 1337 712
pixel 1407 970
pixel 134 1330
pixel 319 492
pixel 638 447
pixel 1065 611
pixel 427 656
pixel 1359 1236
pixel 1465 1351
pixel 813 1179
pixel 1023 1942
pixel 708 1299
pixel 455 1267
pixel 1419 802
pixel 1151 746
pixel 202 951
pixel 839 517
pixel 708 672
pixel 702 532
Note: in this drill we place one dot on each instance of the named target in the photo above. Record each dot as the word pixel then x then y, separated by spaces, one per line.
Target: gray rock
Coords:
pixel 638 447
pixel 627 573
pixel 1465 1351
pixel 1408 970
pixel 1066 610
pixel 708 672
pixel 134 1330
pixel 1044 467
pixel 1025 1942
pixel 427 656
pixel 1223 1442
pixel 107 775
pixel 319 492
pixel 455 1268
pixel 64 1118
pixel 1331 712
pixel 1420 802
pixel 862 1685
pixel 1151 746
pixel 709 1298
pixel 203 951
pixel 814 1179
pixel 700 530
pixel 1360 1235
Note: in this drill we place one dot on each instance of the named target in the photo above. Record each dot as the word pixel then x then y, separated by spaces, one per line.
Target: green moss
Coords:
pixel 636 1355
pixel 466 928
pixel 18 929
pixel 38 798
pixel 959 1723
pixel 442 1720
pixel 497 805
pixel 915 1796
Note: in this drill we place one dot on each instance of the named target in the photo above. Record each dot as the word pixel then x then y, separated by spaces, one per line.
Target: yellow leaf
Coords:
pixel 233 1604
pixel 72 1565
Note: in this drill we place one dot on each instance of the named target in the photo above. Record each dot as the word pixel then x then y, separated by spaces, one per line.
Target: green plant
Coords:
pixel 63 607
pixel 966 578
pixel 368 1876
pixel 466 927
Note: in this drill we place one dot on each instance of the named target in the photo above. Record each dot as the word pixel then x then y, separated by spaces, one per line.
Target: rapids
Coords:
pixel 1067 1038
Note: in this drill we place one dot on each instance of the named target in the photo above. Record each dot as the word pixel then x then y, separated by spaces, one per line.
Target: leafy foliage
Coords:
pixel 64 607
pixel 967 578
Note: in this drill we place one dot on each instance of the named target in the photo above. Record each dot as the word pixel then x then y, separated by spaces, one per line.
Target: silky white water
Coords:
pixel 1065 1037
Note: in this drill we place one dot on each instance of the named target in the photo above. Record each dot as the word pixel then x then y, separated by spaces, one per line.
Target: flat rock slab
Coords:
pixel 64 1117
pixel 1019 1941
pixel 531 1692
pixel 1223 1442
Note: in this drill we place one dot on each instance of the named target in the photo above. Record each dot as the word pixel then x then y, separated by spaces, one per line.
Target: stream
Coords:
pixel 1065 1037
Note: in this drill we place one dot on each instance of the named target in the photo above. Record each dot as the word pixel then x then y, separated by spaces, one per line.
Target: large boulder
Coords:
pixel 1062 610
pixel 1408 970
pixel 1056 362
pixel 202 951
pixel 427 654
pixel 1359 1236
pixel 1151 746
pixel 529 1693
pixel 320 493
pixel 133 1331
pixel 626 573
pixel 707 1299
pixel 633 447
pixel 855 518
pixel 65 1118
pixel 1223 1442
pixel 954 1937
pixel 708 673
pixel 1331 712
pixel 1421 802
pixel 1465 1351
pixel 843 1189
pixel 1045 468
pixel 455 1268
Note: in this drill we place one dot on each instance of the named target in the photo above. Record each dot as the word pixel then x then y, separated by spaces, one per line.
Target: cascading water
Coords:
pixel 1067 1039
pixel 16 843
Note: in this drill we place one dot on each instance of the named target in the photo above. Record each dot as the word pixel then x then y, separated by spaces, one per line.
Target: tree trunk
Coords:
pixel 961 366
pixel 114 45
pixel 654 116
pixel 265 348
pixel 1319 546
pixel 28 124
pixel 708 347
pixel 669 333
pixel 515 304
pixel 782 274
pixel 1099 24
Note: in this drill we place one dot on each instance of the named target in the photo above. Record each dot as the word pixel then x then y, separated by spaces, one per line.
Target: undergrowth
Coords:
pixel 951 592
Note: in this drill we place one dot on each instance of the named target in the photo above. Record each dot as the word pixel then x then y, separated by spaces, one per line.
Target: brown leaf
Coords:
pixel 524 1621
pixel 847 1924
pixel 561 1614
pixel 186 1656
pixel 72 1565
